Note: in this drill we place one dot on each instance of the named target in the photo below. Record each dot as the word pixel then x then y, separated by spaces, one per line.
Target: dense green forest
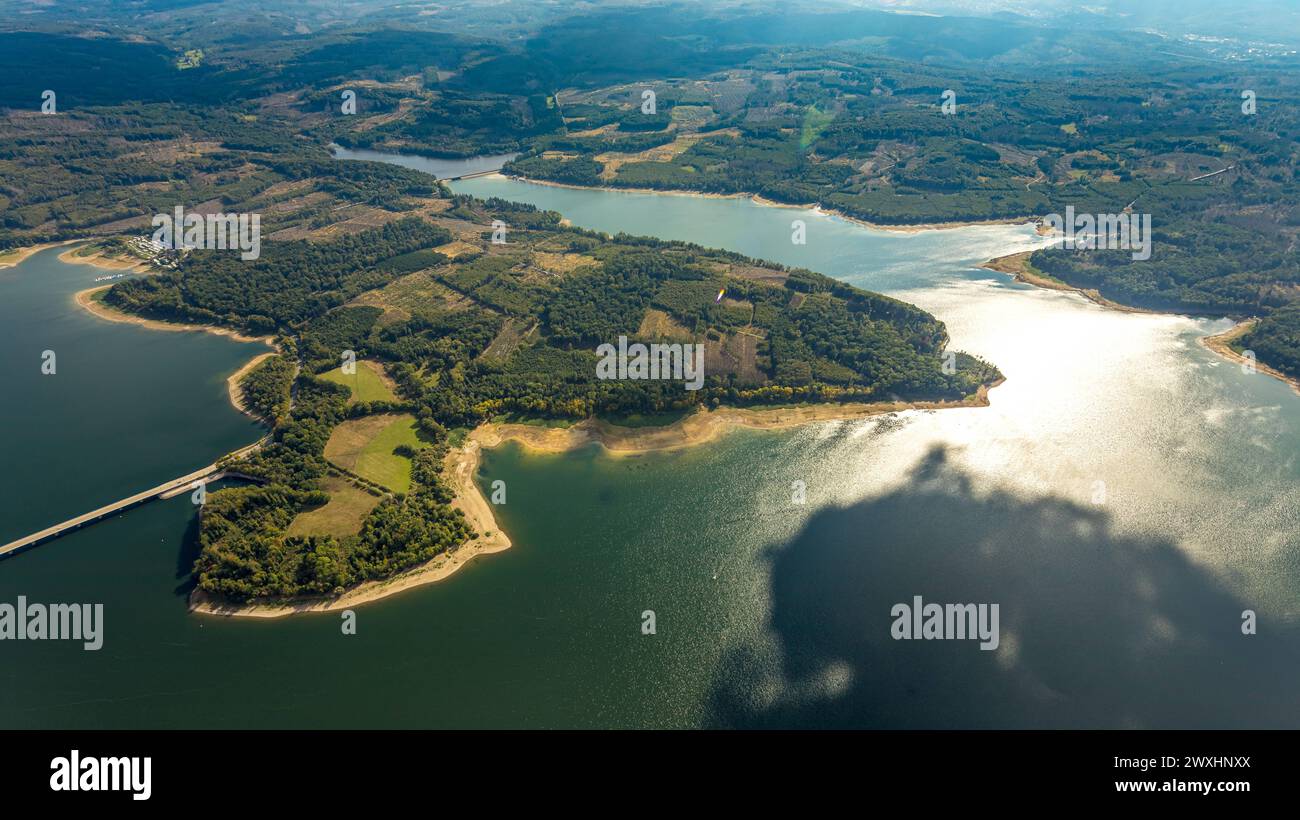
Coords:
pixel 813 337
pixel 266 388
pixel 292 281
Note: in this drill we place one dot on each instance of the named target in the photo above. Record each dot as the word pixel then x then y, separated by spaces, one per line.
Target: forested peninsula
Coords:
pixel 448 330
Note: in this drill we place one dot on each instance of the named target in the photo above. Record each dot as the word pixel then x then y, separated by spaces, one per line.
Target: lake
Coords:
pixel 442 168
pixel 1126 496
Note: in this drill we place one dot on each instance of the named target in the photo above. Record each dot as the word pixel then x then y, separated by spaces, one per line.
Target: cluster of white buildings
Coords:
pixel 151 249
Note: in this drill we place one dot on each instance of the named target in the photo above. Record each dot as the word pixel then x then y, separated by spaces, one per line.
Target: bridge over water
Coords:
pixel 168 489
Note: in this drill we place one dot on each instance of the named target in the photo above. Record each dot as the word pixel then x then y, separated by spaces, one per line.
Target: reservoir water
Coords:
pixel 442 168
pixel 1125 498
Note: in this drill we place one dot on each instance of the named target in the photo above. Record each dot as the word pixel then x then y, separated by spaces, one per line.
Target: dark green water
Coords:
pixel 1123 612
pixel 125 409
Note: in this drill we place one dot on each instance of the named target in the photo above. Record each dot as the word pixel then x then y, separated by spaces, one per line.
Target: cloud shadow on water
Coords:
pixel 1098 629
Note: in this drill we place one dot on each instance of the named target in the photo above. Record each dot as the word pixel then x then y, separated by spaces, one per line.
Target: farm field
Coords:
pixel 366 447
pixel 341 516
pixel 368 383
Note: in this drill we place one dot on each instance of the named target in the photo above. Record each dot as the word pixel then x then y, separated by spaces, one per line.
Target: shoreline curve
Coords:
pixel 771 203
pixel 1017 266
pixel 462 463
pixel 461 466
pixel 1221 343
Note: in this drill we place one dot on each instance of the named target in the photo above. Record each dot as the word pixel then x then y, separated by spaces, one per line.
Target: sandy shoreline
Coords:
pixel 761 200
pixel 85 298
pixel 1017 265
pixel 14 258
pixel 236 392
pixel 460 468
pixel 1221 343
pixel 462 465
pixel 103 260
pixel 701 427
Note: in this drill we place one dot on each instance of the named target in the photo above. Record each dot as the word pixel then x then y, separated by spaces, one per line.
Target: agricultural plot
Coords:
pixel 341 516
pixel 368 383
pixel 367 446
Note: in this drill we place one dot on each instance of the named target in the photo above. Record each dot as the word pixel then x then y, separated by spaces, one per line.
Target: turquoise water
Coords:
pixel 1120 600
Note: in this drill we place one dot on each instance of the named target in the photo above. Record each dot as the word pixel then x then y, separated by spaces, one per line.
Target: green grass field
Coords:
pixel 814 123
pixel 341 516
pixel 367 384
pixel 365 446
